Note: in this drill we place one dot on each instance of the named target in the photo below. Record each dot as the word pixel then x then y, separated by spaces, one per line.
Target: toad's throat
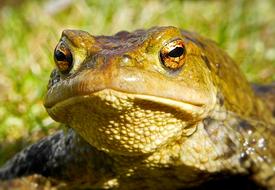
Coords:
pixel 127 124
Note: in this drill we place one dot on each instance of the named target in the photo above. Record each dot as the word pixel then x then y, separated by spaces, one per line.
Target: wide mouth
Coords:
pixel 112 99
pixel 133 82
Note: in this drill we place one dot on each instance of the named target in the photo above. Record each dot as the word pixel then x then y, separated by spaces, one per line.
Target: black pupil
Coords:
pixel 60 56
pixel 177 52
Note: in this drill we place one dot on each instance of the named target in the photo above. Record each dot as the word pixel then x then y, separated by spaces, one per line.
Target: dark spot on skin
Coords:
pixel 220 99
pixel 269 178
pixel 244 125
pixel 207 62
pixel 244 157
pixel 267 93
pixel 231 148
pixel 207 121
pixel 264 88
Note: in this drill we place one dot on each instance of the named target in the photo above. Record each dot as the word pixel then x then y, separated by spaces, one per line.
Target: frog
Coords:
pixel 162 108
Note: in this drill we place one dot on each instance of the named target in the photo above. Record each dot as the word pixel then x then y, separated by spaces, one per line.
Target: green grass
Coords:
pixel 30 31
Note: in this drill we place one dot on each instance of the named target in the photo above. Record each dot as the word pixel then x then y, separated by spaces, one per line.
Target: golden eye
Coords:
pixel 63 58
pixel 172 55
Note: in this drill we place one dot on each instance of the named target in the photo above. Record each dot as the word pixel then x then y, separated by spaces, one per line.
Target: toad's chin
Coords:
pixel 127 124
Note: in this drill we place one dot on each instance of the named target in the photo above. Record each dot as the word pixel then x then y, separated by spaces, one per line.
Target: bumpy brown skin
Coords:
pixel 138 123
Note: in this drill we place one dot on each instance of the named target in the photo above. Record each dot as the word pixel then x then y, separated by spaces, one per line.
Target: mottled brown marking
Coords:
pixel 231 148
pixel 245 126
pixel 220 99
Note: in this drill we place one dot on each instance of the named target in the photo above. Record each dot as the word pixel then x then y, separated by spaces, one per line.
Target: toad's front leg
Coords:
pixel 64 156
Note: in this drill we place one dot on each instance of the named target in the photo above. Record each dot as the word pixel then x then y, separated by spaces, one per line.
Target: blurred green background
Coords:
pixel 30 29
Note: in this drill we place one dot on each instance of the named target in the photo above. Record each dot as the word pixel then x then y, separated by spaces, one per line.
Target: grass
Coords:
pixel 30 30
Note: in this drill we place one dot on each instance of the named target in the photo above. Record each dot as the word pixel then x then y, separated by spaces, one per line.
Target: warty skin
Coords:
pixel 161 108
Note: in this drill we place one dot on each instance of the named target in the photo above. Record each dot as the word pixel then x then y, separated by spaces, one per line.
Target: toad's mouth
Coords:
pixel 133 83
pixel 109 101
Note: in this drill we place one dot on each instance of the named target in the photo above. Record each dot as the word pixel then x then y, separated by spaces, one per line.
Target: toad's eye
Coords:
pixel 63 58
pixel 172 55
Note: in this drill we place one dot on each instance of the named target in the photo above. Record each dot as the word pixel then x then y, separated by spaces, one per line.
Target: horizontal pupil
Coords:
pixel 177 52
pixel 60 56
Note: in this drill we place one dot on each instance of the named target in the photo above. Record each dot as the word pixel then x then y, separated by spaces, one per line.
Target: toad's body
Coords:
pixel 158 109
